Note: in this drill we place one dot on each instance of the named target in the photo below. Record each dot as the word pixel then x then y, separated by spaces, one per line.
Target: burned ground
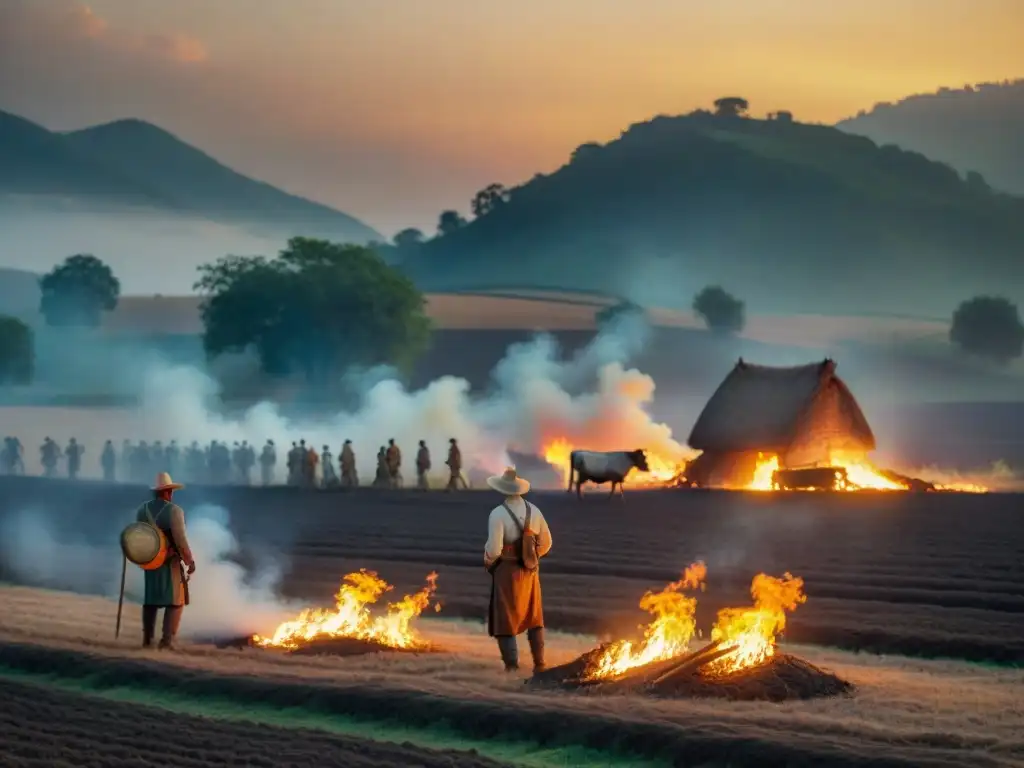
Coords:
pixel 785 677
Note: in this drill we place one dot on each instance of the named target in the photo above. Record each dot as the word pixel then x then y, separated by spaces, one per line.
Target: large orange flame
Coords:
pixel 750 632
pixel 753 630
pixel 351 616
pixel 667 635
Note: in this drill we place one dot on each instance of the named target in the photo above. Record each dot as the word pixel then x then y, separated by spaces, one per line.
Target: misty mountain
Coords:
pixel 131 163
pixel 975 128
pixel 789 217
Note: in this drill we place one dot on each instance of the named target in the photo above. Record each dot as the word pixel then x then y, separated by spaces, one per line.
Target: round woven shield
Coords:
pixel 143 544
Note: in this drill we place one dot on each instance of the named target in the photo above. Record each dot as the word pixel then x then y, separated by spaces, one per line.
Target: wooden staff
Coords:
pixel 120 599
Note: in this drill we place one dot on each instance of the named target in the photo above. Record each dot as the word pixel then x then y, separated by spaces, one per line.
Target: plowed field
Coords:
pixel 936 577
pixel 46 727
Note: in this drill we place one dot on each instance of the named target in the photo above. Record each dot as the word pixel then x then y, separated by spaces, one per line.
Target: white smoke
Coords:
pixel 36 550
pixel 590 399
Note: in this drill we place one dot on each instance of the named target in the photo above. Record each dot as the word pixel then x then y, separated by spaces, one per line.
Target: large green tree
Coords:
pixel 315 309
pixel 17 353
pixel 78 292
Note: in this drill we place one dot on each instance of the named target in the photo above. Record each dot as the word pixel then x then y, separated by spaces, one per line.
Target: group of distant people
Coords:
pixel 219 464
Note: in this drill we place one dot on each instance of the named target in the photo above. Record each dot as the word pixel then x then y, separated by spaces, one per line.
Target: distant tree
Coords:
pixel 17 353
pixel 583 150
pixel 78 292
pixel 613 312
pixel 316 309
pixel 731 106
pixel 977 182
pixel 989 327
pixel 721 311
pixel 408 238
pixel 782 116
pixel 489 199
pixel 449 221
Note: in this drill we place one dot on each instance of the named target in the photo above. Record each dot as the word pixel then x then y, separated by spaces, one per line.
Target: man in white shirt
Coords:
pixel 516 604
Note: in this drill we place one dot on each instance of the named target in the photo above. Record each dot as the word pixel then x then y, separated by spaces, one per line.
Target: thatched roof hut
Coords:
pixel 801 414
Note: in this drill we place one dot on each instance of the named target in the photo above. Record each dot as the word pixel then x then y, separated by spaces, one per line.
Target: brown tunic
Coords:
pixel 516 604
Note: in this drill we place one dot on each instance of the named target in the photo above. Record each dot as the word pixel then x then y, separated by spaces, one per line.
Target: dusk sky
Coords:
pixel 393 110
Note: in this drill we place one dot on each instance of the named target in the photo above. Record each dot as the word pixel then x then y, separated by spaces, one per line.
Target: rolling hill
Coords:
pixel 975 128
pixel 791 217
pixel 131 163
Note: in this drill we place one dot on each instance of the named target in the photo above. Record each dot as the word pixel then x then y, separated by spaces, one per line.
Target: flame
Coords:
pixel 861 474
pixel 662 469
pixel 766 466
pixel 667 635
pixel 754 629
pixel 351 616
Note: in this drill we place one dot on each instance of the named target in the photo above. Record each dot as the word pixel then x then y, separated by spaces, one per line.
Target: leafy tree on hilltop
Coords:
pixel 448 222
pixel 989 327
pixel 721 311
pixel 78 292
pixel 731 106
pixel 315 309
pixel 408 238
pixel 488 199
pixel 613 312
pixel 17 355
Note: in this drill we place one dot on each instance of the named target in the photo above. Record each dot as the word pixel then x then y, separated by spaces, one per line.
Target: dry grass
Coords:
pixel 901 706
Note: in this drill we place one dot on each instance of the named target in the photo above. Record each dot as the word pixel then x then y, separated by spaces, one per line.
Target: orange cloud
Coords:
pixel 186 50
pixel 73 20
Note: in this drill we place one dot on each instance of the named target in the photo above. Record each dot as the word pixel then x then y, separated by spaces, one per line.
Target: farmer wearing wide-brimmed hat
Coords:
pixel 518 536
pixel 166 586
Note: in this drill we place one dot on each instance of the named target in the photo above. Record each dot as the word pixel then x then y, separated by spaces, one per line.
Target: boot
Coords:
pixel 148 624
pixel 536 638
pixel 509 652
pixel 172 620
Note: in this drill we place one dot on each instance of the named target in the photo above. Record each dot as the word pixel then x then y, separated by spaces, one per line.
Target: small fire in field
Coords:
pixel 351 617
pixel 666 636
pixel 742 638
pixel 752 631
pixel 663 469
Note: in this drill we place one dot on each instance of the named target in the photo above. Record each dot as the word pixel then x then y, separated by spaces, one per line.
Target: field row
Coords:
pixel 688 733
pixel 48 728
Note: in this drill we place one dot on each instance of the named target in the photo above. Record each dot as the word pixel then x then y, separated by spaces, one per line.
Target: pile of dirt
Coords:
pixel 328 646
pixel 784 678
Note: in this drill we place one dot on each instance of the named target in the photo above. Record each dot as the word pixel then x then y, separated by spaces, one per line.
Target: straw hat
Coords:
pixel 164 483
pixel 509 483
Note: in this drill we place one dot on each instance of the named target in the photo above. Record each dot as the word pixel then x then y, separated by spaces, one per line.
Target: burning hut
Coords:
pixel 764 422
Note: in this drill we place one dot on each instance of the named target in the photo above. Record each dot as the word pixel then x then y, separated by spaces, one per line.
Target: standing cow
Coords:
pixel 604 467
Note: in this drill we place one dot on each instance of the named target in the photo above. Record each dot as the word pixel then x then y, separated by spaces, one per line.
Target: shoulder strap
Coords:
pixel 152 517
pixel 519 526
pixel 529 509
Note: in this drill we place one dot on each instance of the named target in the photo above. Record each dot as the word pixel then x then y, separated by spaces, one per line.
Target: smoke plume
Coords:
pixel 536 395
pixel 36 550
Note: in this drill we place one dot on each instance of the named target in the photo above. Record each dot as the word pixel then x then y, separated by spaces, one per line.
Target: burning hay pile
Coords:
pixel 741 662
pixel 350 628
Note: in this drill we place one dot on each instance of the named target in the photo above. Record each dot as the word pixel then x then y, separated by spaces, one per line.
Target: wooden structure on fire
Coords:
pixel 800 414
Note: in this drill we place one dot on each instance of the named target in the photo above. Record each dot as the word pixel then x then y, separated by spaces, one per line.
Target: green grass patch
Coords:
pixel 440 736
